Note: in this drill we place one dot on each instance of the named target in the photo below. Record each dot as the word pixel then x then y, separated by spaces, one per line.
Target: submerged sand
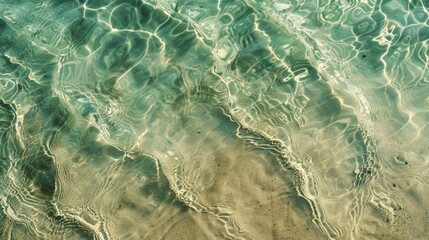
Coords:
pixel 214 120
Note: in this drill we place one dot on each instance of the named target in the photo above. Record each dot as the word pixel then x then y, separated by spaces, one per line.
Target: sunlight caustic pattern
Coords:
pixel 244 119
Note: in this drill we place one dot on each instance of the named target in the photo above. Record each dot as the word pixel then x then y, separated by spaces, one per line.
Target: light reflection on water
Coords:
pixel 213 120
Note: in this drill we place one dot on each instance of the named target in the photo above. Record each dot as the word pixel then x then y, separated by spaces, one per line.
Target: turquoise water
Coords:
pixel 244 119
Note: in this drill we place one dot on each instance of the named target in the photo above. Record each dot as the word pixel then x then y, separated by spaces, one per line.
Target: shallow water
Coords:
pixel 238 119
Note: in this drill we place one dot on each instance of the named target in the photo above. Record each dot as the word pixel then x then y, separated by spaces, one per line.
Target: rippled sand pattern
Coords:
pixel 235 119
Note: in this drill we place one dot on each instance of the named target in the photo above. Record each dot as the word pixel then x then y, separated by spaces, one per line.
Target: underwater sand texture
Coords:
pixel 244 119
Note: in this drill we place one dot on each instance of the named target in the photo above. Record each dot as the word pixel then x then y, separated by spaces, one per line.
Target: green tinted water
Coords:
pixel 214 120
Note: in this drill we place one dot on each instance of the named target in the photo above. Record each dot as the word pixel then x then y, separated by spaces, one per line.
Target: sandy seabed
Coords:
pixel 214 120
